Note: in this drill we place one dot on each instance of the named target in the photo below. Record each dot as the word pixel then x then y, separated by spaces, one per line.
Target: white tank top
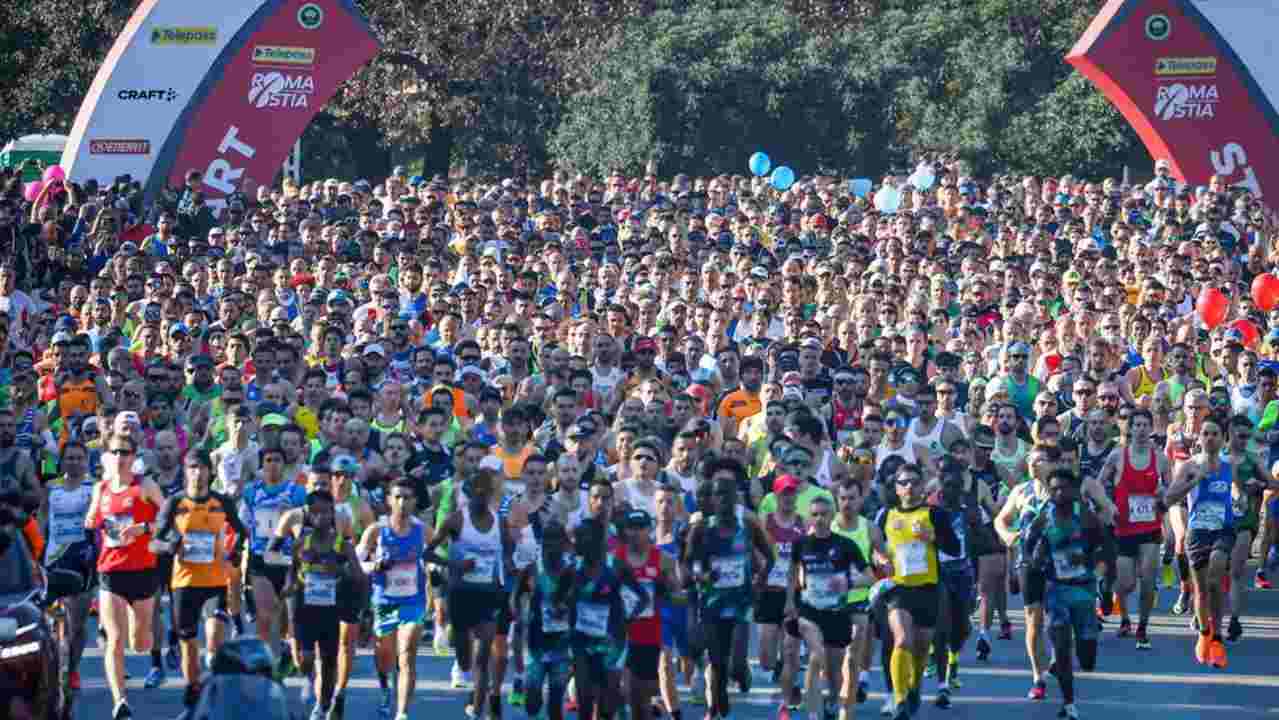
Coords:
pixel 67 509
pixel 823 475
pixel 905 452
pixel 638 499
pixel 487 544
pixel 930 440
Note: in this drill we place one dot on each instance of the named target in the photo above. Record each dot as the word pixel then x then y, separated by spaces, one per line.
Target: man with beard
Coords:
pixel 843 414
pixel 605 373
pixel 77 390
pixel 1073 421
pixel 201 389
pixel 645 350
pixel 742 402
pixel 1178 373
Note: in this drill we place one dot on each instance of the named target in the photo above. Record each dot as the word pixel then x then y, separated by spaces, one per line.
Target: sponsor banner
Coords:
pixel 283 55
pixel 148 79
pixel 99 146
pixel 1197 79
pixel 266 93
pixel 205 35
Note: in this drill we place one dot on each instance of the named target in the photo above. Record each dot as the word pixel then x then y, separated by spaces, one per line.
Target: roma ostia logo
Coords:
pixel 310 16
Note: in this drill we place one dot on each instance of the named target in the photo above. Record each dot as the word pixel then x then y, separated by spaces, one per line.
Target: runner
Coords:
pixel 70 546
pixel 195 527
pixel 906 541
pixel 392 550
pixel 849 523
pixel 824 567
pixel 1064 544
pixel 1210 485
pixel 784 527
pixel 985 483
pixel 123 510
pixel 544 584
pixel 656 572
pixel 1137 471
pixel 322 554
pixel 479 561
pixel 1181 447
pixel 1246 511
pixel 722 562
pixel 957 573
pixel 669 535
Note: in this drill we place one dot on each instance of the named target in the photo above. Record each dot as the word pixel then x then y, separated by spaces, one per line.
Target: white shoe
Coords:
pixel 888 708
pixel 458 677
pixel 441 642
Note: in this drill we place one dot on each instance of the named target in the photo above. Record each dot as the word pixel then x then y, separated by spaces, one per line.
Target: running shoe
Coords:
pixel 1038 691
pixel 122 711
pixel 1182 606
pixel 952 677
pixel 440 642
pixel 154 679
pixel 1217 654
pixel 319 712
pixel 1203 648
pixel 73 680
pixel 1143 639
pixel 516 698
pixel 943 698
pixel 1125 628
pixel 1068 711
pixel 902 712
pixel 1005 630
pixel 983 649
pixel 1261 582
pixel 889 708
pixel 1234 630
pixel 402 716
pixel 457 677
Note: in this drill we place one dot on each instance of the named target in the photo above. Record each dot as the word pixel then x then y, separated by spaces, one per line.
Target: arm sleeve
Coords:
pixel 168 512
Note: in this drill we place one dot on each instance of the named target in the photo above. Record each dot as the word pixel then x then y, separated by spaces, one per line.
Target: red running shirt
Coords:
pixel 118 509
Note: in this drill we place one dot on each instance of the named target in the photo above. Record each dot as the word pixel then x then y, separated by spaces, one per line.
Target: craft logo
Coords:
pixel 283 55
pixel 1158 27
pixel 119 147
pixel 1168 66
pixel 1180 101
pixel 310 16
pixel 274 89
pixel 162 95
pixel 204 35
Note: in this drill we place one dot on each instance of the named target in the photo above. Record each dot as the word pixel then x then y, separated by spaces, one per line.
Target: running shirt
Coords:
pixel 548 628
pixel 1211 504
pixel 1135 494
pixel 118 509
pixel 930 439
pixel 830 566
pixel 646 629
pixel 861 536
pixel 402 582
pixel 484 549
pixel 261 508
pixel 204 525
pixel 67 510
pixel 598 609
pixel 783 539
pixel 731 560
pixel 319 571
pixel 1067 556
pixel 915 559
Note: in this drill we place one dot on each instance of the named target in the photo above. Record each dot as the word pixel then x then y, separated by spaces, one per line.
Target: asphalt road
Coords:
pixel 1164 682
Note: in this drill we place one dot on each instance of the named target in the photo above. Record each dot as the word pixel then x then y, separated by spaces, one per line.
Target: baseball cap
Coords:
pixel 638 519
pixel 784 483
pixel 178 328
pixel 580 430
pixel 374 349
pixel 344 464
pixel 337 296
pixel 274 420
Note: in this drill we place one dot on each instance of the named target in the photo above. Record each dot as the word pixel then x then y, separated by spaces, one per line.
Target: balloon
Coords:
pixel 32 190
pixel 860 187
pixel 888 199
pixel 1265 291
pixel 782 178
pixel 923 178
pixel 1249 331
pixel 1211 307
pixel 54 172
pixel 760 164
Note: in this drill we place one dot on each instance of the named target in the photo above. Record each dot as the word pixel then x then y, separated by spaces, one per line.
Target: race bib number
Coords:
pixel 197 547
pixel 321 590
pixel 401 580
pixel 525 555
pixel 1141 508
pixel 554 621
pixel 1208 516
pixel 66 529
pixel 592 619
pixel 1065 567
pixel 231 467
pixel 911 558
pixel 631 600
pixel 277 559
pixel 779 575
pixel 484 572
pixel 730 572
pixel 265 522
pixel 824 590
pixel 112 527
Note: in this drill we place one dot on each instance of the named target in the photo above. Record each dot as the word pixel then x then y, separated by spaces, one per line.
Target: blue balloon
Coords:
pixel 860 187
pixel 760 164
pixel 888 199
pixel 923 179
pixel 783 177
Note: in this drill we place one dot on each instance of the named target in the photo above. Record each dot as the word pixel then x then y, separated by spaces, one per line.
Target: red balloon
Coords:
pixel 1249 331
pixel 1212 306
pixel 1265 291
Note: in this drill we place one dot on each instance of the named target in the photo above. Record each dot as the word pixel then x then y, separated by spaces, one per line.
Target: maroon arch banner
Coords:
pixel 1197 79
pixel 289 63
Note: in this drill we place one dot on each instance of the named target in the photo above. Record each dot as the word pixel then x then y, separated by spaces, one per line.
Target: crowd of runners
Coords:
pixel 617 445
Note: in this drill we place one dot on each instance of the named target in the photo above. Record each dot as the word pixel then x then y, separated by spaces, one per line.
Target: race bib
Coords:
pixel 277 558
pixel 824 590
pixel 779 575
pixel 401 580
pixel 231 467
pixel 592 619
pixel 731 572
pixel 1141 508
pixel 265 522
pixel 631 600
pixel 553 622
pixel 484 572
pixel 911 558
pixel 1065 567
pixel 66 529
pixel 197 547
pixel 112 526
pixel 1208 516
pixel 525 555
pixel 321 590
